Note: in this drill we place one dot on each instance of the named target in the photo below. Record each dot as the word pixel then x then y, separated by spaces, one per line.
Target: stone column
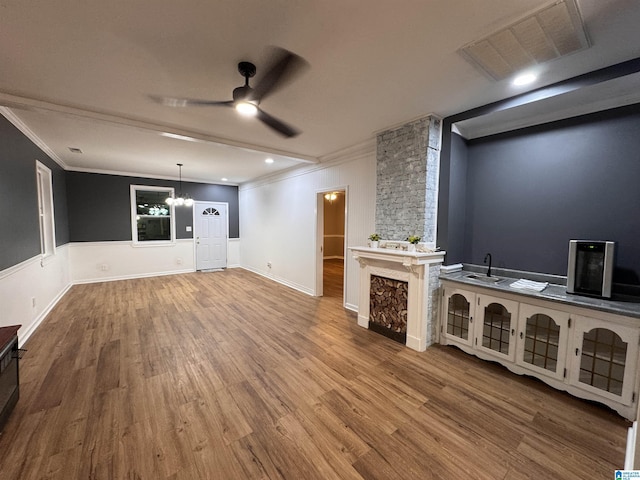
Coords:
pixel 408 159
pixel 408 164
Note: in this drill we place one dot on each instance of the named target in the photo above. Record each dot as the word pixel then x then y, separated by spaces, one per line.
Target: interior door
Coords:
pixel 210 234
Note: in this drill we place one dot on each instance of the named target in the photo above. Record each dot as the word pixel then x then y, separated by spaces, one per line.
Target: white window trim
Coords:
pixel 134 213
pixel 46 216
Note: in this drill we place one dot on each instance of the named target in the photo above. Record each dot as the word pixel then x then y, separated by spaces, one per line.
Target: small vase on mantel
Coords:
pixel 411 247
pixel 374 238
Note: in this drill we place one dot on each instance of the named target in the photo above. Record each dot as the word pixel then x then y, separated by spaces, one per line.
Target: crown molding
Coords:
pixel 27 132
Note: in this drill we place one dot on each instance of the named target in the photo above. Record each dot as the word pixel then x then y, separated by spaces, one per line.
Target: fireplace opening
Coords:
pixel 388 307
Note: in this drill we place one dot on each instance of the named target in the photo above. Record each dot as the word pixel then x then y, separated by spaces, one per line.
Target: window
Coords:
pixel 45 210
pixel 207 212
pixel 151 217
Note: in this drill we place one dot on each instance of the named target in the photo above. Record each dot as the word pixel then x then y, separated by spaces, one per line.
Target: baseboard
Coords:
pixel 415 343
pixel 350 306
pixel 24 336
pixel 630 453
pixel 132 276
pixel 281 281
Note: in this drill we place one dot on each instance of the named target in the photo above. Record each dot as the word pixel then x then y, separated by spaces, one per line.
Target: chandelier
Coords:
pixel 181 199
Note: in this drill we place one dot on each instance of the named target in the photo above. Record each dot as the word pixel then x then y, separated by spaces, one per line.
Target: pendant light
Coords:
pixel 185 200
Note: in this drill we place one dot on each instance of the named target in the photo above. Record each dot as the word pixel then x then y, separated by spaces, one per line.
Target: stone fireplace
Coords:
pixel 407 172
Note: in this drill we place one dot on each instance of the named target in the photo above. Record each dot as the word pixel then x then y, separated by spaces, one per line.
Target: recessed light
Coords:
pixel 224 179
pixel 268 160
pixel 75 150
pixel 524 79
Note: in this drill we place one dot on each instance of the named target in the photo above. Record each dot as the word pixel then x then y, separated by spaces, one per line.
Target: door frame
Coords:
pixel 319 239
pixel 193 230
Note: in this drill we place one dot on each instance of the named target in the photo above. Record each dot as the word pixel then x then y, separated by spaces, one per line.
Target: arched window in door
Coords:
pixel 210 211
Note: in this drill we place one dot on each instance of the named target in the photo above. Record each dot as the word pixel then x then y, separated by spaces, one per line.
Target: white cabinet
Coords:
pixel 604 358
pixel 542 340
pixel 496 327
pixel 590 354
pixel 458 319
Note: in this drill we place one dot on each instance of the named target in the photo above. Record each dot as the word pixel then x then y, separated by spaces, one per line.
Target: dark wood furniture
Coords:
pixel 9 375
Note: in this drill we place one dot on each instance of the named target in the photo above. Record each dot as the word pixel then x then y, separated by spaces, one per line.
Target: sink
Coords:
pixel 483 278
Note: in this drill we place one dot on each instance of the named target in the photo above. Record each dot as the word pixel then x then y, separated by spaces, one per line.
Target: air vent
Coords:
pixel 552 32
pixel 75 150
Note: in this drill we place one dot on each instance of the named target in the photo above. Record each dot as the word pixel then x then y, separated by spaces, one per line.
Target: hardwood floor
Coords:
pixel 333 278
pixel 227 375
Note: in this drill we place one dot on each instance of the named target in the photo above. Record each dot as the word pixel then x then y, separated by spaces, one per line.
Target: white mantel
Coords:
pixel 411 267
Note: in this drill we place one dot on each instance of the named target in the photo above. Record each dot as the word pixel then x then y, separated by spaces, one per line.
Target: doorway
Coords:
pixel 331 241
pixel 211 229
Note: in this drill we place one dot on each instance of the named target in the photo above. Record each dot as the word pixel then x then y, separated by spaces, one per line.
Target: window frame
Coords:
pixel 46 212
pixel 134 213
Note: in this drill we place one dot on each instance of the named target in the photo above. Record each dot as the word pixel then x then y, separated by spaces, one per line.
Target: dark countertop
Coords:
pixel 553 293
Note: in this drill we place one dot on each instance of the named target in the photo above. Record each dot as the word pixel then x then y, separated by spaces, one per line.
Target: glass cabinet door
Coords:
pixel 542 340
pixel 605 358
pixel 496 328
pixel 457 321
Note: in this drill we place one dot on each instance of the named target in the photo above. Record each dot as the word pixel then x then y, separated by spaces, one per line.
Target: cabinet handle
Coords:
pixel 470 319
pixel 521 335
pixel 513 332
pixel 577 350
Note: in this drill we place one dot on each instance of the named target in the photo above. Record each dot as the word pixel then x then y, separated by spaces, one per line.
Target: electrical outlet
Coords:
pixel 104 267
pixel 179 261
pixel 33 302
pixel 268 264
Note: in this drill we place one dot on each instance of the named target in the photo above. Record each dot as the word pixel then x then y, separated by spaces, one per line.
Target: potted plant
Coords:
pixel 413 241
pixel 374 238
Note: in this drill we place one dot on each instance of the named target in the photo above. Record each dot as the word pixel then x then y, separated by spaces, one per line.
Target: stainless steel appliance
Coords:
pixel 590 270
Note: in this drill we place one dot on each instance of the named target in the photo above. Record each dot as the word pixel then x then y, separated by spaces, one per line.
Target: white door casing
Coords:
pixel 211 230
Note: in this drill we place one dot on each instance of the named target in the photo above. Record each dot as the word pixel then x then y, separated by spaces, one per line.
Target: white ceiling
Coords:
pixel 78 74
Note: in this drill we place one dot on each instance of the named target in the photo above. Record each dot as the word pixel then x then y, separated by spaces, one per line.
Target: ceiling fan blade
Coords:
pixel 188 102
pixel 278 125
pixel 283 68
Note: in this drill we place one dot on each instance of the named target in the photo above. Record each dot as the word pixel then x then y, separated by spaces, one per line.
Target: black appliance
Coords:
pixel 590 269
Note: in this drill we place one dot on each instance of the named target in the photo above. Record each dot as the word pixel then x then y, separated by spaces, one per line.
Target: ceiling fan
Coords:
pixel 246 99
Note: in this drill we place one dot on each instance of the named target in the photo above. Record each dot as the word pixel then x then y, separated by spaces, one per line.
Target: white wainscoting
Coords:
pixel 105 261
pixel 233 253
pixel 31 282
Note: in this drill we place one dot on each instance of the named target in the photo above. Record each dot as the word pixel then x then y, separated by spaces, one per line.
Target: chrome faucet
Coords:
pixel 488 255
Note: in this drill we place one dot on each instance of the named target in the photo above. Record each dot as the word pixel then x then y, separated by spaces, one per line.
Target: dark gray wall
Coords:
pixel 530 191
pixel 454 210
pixel 100 208
pixel 19 225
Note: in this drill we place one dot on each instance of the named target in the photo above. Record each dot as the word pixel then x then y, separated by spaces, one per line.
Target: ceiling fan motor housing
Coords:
pixel 244 93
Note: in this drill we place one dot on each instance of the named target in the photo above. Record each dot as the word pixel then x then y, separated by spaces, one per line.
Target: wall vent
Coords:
pixel 552 32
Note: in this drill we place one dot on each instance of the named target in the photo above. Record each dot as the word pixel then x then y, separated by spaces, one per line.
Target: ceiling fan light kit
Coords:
pixel 247 109
pixel 246 98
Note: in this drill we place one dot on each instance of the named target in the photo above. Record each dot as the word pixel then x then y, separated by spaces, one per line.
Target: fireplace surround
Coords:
pixel 420 271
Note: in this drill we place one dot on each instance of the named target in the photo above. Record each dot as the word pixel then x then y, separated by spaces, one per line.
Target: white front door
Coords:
pixel 210 234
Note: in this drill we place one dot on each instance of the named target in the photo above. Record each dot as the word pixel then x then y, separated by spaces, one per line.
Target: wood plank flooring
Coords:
pixel 226 375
